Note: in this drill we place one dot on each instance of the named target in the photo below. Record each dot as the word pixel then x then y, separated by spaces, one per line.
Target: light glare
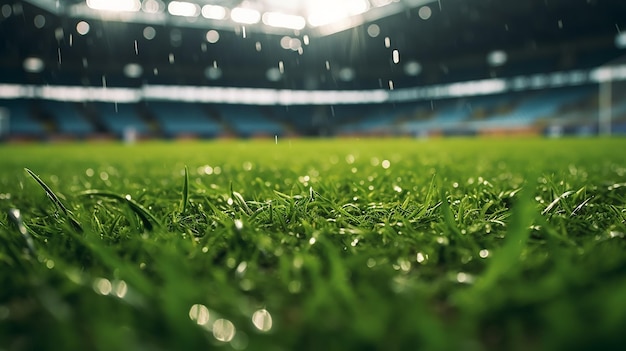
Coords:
pixel 245 16
pixel 115 5
pixel 281 20
pixel 213 12
pixel 183 8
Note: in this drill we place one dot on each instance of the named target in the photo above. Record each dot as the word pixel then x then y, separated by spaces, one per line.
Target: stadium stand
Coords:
pixel 22 123
pixel 119 119
pixel 248 121
pixel 67 119
pixel 184 120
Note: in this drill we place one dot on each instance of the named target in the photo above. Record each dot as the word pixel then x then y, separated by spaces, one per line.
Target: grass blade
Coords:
pixel 55 199
pixel 147 218
pixel 185 192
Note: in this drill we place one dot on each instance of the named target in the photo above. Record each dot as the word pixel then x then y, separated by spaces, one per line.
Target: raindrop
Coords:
pixel 58 34
pixel 281 67
pixel 262 320
pixel 396 56
pixel 373 30
pixel 136 48
pixel 484 253
pixel 421 258
pixel 412 68
pixel 346 74
pixel 497 58
pixel 155 71
pixel 33 64
pixel 560 24
pixel 223 330
pixel 6 11
pixel 257 46
pixel 176 37
pixel 212 36
pixel 82 27
pixel 149 33
pixel 213 73
pixel 425 12
pixel 327 66
pixel 133 70
pixel 387 42
pixel 273 74
pixel 390 84
pixel 243 32
pixel 305 40
pixel 59 55
pixel 170 58
pixel 39 21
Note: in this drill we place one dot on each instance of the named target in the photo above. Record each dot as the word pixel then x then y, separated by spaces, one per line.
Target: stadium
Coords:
pixel 312 174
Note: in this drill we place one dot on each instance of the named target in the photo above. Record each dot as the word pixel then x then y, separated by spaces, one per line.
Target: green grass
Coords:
pixel 458 244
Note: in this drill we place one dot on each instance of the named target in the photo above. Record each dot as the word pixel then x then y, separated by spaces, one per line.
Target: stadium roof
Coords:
pixel 404 43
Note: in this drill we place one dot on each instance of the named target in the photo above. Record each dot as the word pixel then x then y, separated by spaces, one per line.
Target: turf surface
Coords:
pixel 458 244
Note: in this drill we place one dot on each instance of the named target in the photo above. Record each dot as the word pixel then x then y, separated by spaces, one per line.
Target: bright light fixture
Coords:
pixel 213 12
pixel 183 8
pixel 245 15
pixel 323 12
pixel 282 20
pixel 115 5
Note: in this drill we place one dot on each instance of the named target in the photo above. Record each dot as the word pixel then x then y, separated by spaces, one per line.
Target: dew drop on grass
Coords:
pixel 102 286
pixel 386 164
pixel 238 222
pixel 262 320
pixel 223 330
pixel 312 241
pixel 199 314
pixel 121 288
pixel 484 253
pixel 421 258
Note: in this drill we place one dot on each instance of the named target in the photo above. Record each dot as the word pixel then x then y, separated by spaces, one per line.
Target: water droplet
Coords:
pixel 223 330
pixel 391 84
pixel 484 253
pixel 102 286
pixel 395 56
pixel 82 28
pixel 386 164
pixel 170 58
pixel 387 42
pixel 262 320
pixel 238 222
pixel 425 12
pixel 199 314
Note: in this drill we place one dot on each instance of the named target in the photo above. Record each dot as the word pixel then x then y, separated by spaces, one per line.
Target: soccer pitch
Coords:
pixel 394 244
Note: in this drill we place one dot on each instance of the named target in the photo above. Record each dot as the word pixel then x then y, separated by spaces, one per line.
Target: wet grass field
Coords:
pixel 452 244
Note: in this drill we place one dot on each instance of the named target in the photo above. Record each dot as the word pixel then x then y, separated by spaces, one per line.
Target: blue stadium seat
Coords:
pixel 249 121
pixel 21 121
pixel 184 119
pixel 118 118
pixel 67 119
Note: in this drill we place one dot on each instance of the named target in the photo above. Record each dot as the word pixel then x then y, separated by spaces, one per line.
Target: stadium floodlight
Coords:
pixel 213 12
pixel 183 8
pixel 115 5
pixel 322 12
pixel 245 15
pixel 282 20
